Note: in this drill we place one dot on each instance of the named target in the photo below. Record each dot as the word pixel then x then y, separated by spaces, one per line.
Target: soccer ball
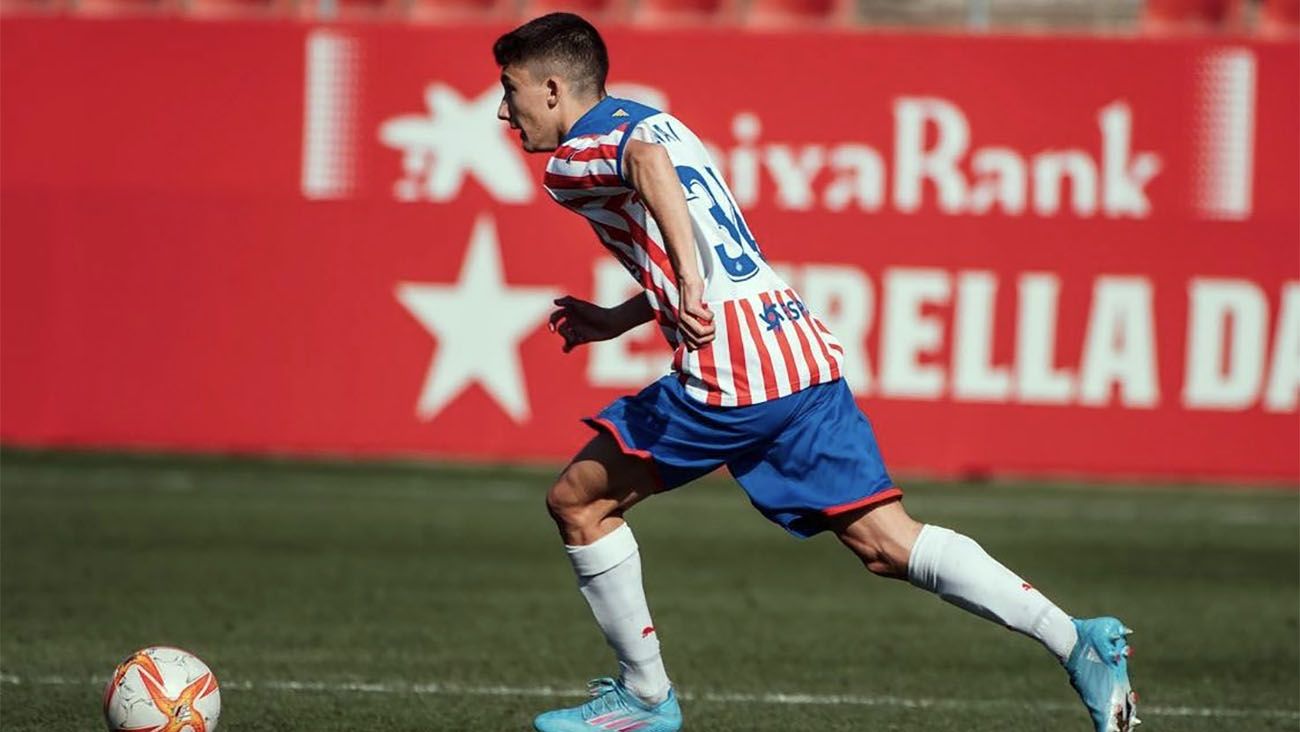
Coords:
pixel 162 689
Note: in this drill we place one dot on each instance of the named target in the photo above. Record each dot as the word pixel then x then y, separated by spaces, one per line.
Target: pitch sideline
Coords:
pixel 779 698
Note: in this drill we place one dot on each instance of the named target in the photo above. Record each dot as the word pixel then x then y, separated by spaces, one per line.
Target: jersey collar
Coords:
pixel 595 119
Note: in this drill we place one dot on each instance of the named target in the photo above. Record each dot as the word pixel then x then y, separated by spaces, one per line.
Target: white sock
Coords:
pixel 609 576
pixel 958 570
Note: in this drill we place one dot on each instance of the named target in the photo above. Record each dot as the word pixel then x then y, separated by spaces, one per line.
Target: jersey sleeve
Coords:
pixel 652 129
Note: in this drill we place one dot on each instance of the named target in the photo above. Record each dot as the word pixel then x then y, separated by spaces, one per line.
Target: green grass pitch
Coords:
pixel 337 596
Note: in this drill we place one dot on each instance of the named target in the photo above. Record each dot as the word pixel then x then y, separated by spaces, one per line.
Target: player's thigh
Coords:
pixel 601 481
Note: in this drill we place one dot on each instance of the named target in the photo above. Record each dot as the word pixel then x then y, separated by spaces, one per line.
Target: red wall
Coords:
pixel 1052 255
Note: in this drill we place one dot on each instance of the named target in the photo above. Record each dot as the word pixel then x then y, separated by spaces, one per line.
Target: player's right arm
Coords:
pixel 579 321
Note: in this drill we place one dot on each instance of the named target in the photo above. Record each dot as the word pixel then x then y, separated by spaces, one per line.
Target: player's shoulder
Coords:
pixel 607 122
pixel 592 152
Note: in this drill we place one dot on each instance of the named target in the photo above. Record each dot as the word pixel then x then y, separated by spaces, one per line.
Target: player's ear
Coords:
pixel 553 86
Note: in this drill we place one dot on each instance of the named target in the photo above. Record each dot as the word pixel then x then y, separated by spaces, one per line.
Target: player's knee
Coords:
pixel 567 500
pixel 883 560
pixel 893 551
pixel 883 542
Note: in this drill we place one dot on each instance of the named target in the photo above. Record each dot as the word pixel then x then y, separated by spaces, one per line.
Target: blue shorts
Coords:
pixel 802 458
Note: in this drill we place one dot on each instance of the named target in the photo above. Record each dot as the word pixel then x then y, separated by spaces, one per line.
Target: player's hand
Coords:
pixel 696 323
pixel 578 322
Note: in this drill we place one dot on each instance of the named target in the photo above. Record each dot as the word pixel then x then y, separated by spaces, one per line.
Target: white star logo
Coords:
pixel 478 323
pixel 457 138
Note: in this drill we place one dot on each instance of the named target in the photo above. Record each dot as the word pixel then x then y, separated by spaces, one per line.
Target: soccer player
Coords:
pixel 755 386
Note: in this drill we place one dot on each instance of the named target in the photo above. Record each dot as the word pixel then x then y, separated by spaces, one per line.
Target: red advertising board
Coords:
pixel 1044 255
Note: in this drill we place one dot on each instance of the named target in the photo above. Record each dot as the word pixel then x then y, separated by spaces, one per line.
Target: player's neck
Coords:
pixel 577 110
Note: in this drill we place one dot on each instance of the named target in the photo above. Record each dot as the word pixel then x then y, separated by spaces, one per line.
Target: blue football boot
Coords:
pixel 612 708
pixel 1098 669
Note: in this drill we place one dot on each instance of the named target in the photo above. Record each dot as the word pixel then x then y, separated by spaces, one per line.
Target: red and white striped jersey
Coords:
pixel 768 344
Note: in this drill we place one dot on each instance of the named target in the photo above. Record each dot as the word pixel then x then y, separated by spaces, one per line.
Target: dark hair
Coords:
pixel 558 43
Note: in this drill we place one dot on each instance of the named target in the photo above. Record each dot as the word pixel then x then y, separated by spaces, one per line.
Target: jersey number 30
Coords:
pixel 740 267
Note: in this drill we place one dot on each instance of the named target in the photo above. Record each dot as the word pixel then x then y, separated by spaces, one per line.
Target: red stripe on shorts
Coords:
pixel 870 500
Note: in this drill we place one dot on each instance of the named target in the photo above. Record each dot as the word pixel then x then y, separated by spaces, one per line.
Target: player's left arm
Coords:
pixel 650 172
pixel 579 321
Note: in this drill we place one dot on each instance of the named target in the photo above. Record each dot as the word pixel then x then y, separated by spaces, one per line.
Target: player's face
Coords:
pixel 529 105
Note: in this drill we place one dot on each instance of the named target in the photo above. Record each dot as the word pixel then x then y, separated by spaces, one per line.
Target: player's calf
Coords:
pixel 955 568
pixel 587 502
